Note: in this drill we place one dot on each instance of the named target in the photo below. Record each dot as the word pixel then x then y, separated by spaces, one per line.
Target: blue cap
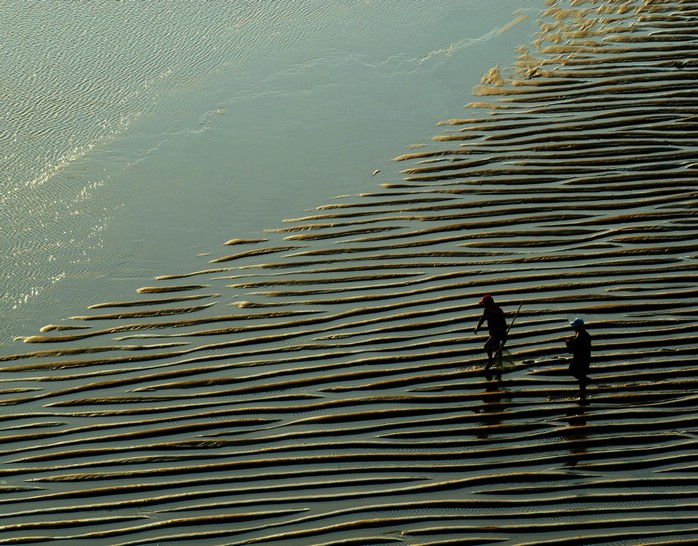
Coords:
pixel 577 323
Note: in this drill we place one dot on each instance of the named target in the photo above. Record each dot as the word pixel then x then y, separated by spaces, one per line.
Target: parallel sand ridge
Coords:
pixel 324 386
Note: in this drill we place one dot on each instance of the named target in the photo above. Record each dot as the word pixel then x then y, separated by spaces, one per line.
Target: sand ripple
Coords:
pixel 323 386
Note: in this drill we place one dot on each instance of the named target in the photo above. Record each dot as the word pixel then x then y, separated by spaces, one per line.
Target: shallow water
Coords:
pixel 136 137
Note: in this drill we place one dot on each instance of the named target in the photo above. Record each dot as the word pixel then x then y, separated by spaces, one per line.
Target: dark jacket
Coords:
pixel 496 323
pixel 580 347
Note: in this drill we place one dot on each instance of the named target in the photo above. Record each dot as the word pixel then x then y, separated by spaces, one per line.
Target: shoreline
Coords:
pixel 247 145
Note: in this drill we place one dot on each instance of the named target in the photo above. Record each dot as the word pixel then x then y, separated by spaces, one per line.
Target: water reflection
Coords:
pixel 496 401
pixel 577 433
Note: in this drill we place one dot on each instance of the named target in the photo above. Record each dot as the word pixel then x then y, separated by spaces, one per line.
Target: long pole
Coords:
pixel 501 347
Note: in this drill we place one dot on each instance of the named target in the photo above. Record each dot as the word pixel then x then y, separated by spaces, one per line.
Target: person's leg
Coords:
pixel 490 346
pixel 579 375
pixel 583 378
pixel 581 393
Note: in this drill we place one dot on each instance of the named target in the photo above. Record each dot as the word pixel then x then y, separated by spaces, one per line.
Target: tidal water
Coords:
pixel 136 138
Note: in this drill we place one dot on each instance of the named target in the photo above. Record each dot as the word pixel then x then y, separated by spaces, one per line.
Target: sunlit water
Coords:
pixel 137 138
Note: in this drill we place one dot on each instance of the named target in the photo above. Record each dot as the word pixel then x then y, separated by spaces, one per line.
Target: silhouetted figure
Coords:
pixel 496 324
pixel 580 347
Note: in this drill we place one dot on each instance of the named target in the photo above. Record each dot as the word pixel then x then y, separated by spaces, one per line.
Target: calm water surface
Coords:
pixel 137 138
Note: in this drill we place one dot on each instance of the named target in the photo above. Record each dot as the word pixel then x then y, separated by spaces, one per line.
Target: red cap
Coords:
pixel 485 299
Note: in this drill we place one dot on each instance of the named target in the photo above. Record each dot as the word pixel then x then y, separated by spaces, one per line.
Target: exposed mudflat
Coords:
pixel 324 386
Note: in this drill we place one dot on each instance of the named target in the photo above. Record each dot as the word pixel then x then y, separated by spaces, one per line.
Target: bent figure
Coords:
pixel 497 326
pixel 580 347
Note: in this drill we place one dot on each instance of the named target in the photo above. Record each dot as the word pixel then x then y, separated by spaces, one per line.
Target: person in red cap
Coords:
pixel 496 324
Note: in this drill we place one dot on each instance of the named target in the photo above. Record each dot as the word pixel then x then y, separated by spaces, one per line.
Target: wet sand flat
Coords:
pixel 324 385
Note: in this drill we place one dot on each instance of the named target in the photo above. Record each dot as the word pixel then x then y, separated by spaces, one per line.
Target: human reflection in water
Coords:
pixel 495 403
pixel 576 434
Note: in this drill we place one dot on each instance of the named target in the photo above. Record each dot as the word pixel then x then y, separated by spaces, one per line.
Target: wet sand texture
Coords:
pixel 324 386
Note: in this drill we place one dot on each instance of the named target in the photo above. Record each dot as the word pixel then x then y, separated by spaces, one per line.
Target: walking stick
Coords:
pixel 498 352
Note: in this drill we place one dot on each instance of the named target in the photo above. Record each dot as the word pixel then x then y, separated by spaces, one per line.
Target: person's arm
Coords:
pixel 572 343
pixel 479 323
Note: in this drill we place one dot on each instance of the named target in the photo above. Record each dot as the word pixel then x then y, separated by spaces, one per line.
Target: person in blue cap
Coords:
pixel 496 324
pixel 580 347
